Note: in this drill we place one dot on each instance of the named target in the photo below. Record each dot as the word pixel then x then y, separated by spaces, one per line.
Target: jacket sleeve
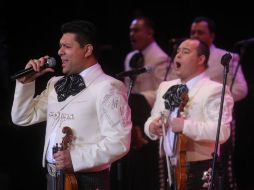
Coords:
pixel 238 82
pixel 27 110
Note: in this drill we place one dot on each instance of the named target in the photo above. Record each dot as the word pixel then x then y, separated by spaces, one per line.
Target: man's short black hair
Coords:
pixel 210 23
pixel 85 31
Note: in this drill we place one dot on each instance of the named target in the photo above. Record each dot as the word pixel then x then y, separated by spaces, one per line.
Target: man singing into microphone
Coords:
pixel 144 45
pixel 197 120
pixel 91 103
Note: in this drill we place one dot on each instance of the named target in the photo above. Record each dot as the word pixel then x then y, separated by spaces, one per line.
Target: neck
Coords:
pixel 89 62
pixel 186 79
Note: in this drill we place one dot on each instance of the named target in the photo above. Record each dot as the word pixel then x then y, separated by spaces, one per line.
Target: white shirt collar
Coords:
pixel 89 70
pixel 194 80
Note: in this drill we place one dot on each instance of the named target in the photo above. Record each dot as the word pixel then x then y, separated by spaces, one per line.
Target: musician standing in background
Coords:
pixel 199 120
pixel 93 104
pixel 204 29
pixel 142 31
pixel 145 53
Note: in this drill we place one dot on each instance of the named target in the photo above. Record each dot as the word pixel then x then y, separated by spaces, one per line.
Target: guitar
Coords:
pixel 163 157
pixel 180 143
pixel 65 179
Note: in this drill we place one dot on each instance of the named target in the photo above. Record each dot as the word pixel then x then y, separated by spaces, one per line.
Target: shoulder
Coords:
pixel 158 51
pixel 109 82
pixel 213 89
pixel 210 87
pixel 208 83
pixel 220 52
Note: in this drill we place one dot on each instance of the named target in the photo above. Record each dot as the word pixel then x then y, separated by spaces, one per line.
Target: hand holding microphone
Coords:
pixel 35 68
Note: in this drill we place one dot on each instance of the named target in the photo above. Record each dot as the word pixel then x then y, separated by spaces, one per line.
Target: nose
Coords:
pixel 131 33
pixel 178 53
pixel 60 51
pixel 194 35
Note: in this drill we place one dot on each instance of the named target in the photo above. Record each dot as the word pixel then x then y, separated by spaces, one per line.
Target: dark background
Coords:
pixel 31 30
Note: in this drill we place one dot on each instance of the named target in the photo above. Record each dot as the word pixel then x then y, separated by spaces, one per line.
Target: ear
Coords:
pixel 88 50
pixel 150 33
pixel 212 37
pixel 201 60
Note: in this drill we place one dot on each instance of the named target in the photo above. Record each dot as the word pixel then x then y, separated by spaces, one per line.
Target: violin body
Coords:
pixel 70 182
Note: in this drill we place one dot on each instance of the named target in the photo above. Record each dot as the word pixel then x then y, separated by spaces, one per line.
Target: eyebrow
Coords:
pixel 183 49
pixel 198 31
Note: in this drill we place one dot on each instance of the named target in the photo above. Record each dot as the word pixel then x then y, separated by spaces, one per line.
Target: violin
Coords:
pixel 181 144
pixel 65 179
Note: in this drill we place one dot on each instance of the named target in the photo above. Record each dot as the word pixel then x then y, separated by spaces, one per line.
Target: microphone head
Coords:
pixel 225 59
pixel 51 62
pixel 244 42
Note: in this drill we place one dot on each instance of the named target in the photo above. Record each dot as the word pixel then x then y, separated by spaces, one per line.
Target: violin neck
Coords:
pixel 60 179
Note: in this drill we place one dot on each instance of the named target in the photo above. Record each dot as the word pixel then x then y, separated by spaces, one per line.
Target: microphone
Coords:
pixel 225 59
pixel 51 62
pixel 134 72
pixel 245 42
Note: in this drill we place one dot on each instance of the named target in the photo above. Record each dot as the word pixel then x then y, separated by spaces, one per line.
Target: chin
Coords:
pixel 178 73
pixel 65 72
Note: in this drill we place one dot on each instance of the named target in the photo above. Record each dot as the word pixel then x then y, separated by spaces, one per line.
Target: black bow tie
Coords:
pixel 69 85
pixel 173 96
pixel 137 60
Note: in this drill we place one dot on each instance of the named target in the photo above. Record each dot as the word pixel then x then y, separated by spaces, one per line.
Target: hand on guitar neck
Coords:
pixel 63 156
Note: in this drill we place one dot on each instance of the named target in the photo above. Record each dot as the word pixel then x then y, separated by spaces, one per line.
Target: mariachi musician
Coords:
pixel 198 120
pixel 93 104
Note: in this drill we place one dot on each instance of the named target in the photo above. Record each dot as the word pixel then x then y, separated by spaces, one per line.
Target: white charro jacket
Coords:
pixel 99 117
pixel 201 117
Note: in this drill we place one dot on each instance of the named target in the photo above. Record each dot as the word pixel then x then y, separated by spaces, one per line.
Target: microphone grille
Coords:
pixel 51 62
